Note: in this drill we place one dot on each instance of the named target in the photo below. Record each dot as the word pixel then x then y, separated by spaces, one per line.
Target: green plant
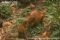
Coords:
pixel 4 11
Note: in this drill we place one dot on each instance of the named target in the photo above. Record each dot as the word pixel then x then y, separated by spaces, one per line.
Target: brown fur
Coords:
pixel 34 17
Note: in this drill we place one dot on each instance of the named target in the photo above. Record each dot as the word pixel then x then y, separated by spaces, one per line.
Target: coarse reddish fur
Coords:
pixel 34 17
